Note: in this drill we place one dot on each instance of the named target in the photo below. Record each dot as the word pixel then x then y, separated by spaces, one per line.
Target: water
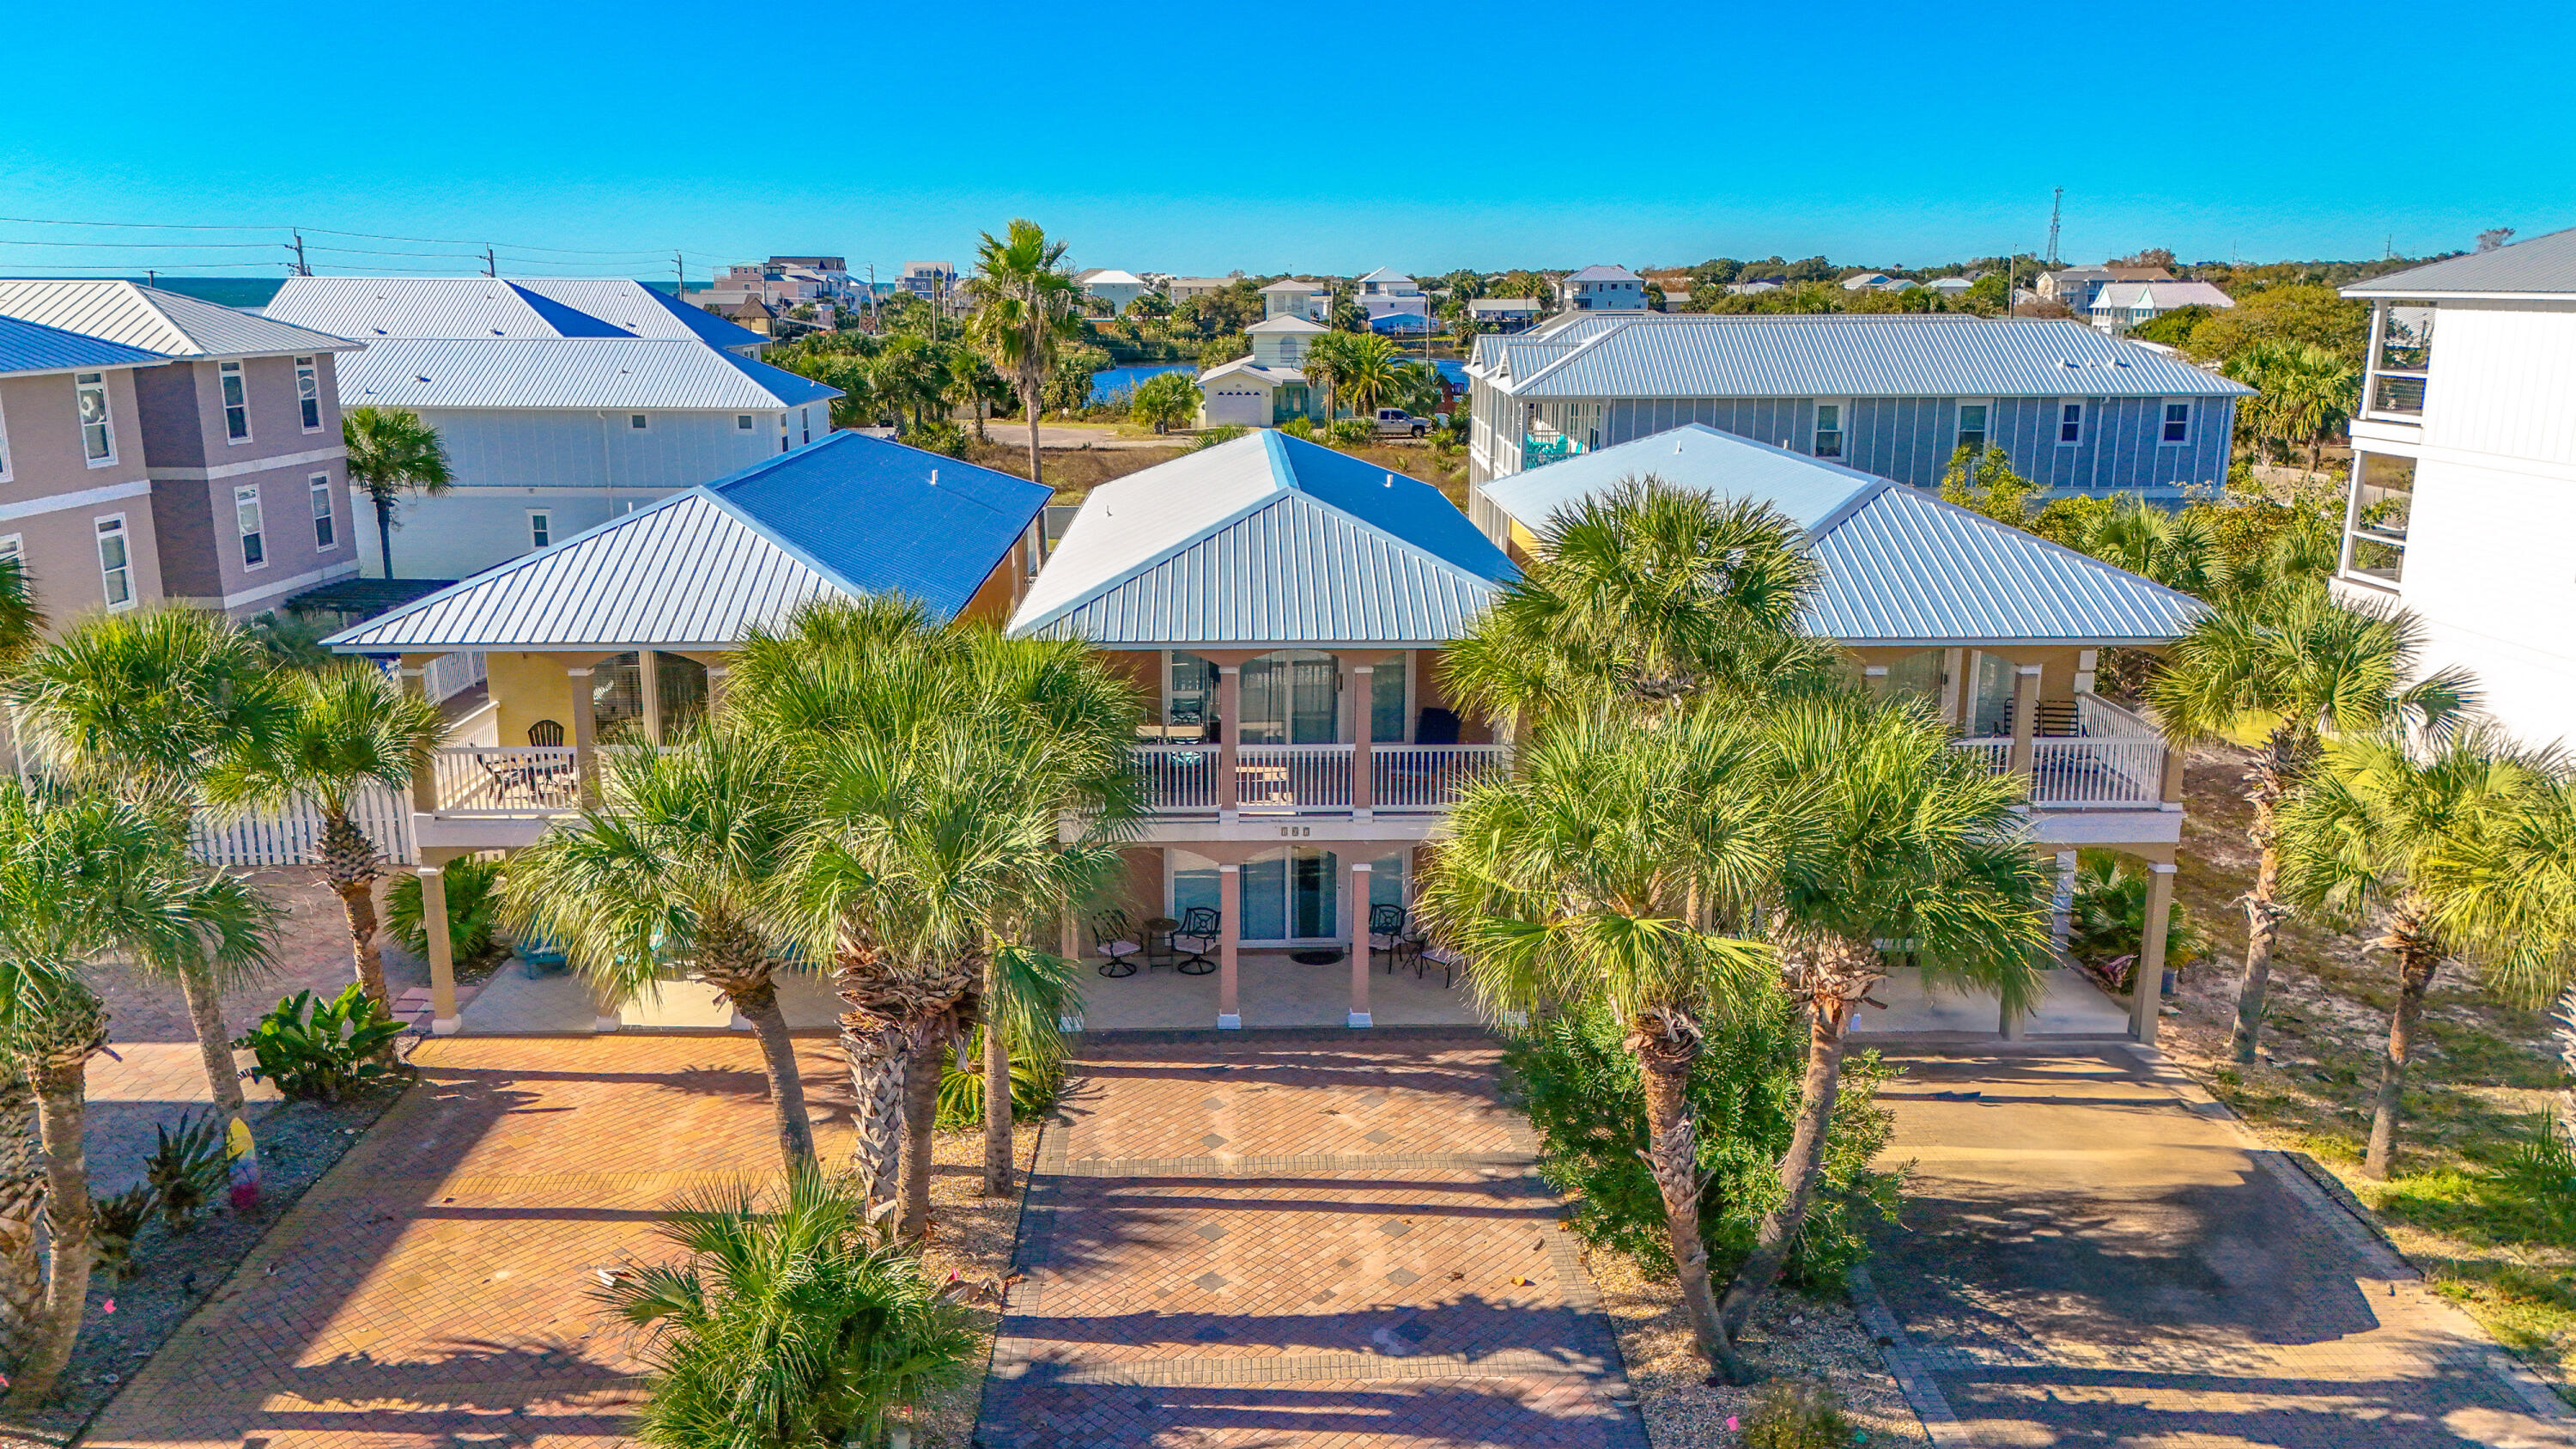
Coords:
pixel 1109 382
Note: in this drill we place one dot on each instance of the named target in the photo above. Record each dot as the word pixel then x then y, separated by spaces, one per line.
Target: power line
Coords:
pixel 142 246
pixel 329 231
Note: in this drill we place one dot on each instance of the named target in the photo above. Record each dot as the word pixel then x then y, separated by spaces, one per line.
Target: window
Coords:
pixel 246 517
pixel 806 416
pixel 2070 424
pixel 115 568
pixel 228 377
pixel 638 422
pixel 98 435
pixel 308 394
pixel 325 532
pixel 2177 423
pixel 12 547
pixel 2383 492
pixel 541 529
pixel 1829 430
pixel 1972 426
pixel 742 422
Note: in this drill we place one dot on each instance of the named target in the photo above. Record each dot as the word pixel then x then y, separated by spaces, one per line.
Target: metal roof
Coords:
pixel 1285 323
pixel 848 515
pixel 494 307
pixel 164 322
pixel 2544 266
pixel 1291 284
pixel 1266 540
pixel 1605 274
pixel 27 347
pixel 1386 274
pixel 1900 566
pixel 2162 296
pixel 1851 357
pixel 567 372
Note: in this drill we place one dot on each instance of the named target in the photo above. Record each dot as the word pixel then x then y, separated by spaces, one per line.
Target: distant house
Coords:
pixel 2075 288
pixel 1388 290
pixel 1604 289
pixel 562 404
pixel 1266 388
pixel 1953 286
pixel 929 281
pixel 1183 289
pixel 1505 314
pixel 210 471
pixel 1869 282
pixel 747 312
pixel 1114 287
pixel 1292 298
pixel 2119 306
pixel 1755 288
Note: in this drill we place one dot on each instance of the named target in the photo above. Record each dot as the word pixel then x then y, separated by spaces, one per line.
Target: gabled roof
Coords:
pixel 2544 266
pixel 1247 367
pixel 567 372
pixel 1286 323
pixel 1290 285
pixel 32 347
pixel 484 308
pixel 1901 567
pixel 1264 541
pixel 1111 276
pixel 1605 274
pixel 168 323
pixel 848 515
pixel 2162 296
pixel 1386 274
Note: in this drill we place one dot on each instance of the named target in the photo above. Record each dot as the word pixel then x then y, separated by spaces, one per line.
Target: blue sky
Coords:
pixel 1194 138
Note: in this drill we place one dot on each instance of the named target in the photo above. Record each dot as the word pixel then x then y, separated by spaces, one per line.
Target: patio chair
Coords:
pixel 1447 960
pixel 1198 939
pixel 1385 929
pixel 546 734
pixel 1113 938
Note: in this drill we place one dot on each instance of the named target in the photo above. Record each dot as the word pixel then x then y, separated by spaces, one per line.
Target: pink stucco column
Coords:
pixel 1229 1012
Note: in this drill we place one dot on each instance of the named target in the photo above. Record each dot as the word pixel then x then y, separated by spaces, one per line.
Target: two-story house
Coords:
pixel 238 428
pixel 75 499
pixel 1897 396
pixel 1604 289
pixel 624 631
pixel 1289 297
pixel 1115 287
pixel 561 403
pixel 1268 387
pixel 1387 291
pixel 2120 306
pixel 2464 466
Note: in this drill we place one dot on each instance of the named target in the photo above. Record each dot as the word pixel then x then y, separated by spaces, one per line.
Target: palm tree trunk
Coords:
pixel 1032 396
pixel 754 993
pixel 22 1196
pixel 877 1052
pixel 60 1098
pixel 2565 1021
pixel 920 1117
pixel 385 532
pixel 997 1084
pixel 214 1039
pixel 1826 1035
pixel 358 903
pixel 2418 960
pixel 2263 910
pixel 1672 1152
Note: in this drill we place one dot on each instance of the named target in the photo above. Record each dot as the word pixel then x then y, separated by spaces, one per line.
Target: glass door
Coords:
pixel 1292 896
pixel 1291 698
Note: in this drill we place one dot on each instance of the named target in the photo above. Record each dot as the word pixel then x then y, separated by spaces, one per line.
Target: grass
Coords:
pixel 2500 1242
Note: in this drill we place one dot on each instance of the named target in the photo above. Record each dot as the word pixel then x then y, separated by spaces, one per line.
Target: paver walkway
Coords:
pixel 431 1292
pixel 1298 1241
pixel 2096 1256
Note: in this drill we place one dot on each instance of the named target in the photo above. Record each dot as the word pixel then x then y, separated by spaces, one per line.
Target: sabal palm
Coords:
pixel 84 878
pixel 1027 306
pixel 1590 873
pixel 142 706
pixel 2303 393
pixel 2410 836
pixel 1650 594
pixel 1371 374
pixel 2298 664
pixel 391 453
pixel 2513 888
pixel 1328 363
pixel 2174 547
pixel 343 730
pixel 790 1323
pixel 1898 838
pixel 685 855
pixel 21 622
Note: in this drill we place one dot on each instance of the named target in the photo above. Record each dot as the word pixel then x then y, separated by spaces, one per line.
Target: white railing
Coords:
pixel 2083 772
pixel 2099 718
pixel 1176 778
pixel 1995 751
pixel 1285 779
pixel 521 780
pixel 290 836
pixel 450 675
pixel 1429 777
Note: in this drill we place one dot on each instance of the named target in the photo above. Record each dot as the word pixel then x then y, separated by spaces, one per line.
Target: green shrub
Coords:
pixel 1580 1087
pixel 2109 918
pixel 316 1051
pixel 1214 436
pixel 1035 1082
pixel 114 1224
pixel 187 1170
pixel 1166 400
pixel 1796 1414
pixel 938 435
pixel 1352 432
pixel 473 911
pixel 1299 427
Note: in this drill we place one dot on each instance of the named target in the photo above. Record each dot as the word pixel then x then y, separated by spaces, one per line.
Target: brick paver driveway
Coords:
pixel 2097 1257
pixel 1327 1241
pixel 431 1291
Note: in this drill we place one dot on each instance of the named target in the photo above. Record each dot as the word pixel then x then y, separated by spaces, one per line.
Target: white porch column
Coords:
pixel 1229 713
pixel 443 1020
pixel 2061 905
pixel 1358 894
pixel 2146 1003
pixel 1363 778
pixel 648 685
pixel 2025 717
pixel 716 687
pixel 585 735
pixel 1229 1010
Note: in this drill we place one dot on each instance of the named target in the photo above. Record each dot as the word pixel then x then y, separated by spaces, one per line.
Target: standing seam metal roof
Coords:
pixel 2544 264
pixel 567 372
pixel 33 347
pixel 168 323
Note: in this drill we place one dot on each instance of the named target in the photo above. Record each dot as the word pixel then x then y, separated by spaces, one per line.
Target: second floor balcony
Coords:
pixel 1188 779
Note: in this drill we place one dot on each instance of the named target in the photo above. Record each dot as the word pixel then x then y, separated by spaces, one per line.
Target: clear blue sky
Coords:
pixel 1331 137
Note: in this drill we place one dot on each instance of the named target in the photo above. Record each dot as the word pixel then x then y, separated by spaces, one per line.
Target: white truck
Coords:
pixel 1397 423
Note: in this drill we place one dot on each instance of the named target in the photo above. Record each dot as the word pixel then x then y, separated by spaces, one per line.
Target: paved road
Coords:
pixel 2096 1256
pixel 1298 1242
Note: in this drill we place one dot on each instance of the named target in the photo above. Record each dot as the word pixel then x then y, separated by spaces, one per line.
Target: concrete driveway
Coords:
pixel 2095 1254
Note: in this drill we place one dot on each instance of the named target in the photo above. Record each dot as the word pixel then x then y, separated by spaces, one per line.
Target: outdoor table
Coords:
pixel 1159 950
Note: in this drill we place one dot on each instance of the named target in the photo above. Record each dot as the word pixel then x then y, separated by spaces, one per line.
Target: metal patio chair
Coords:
pixel 1197 940
pixel 1113 938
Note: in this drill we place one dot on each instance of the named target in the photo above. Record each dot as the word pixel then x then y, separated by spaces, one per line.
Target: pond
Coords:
pixel 1110 381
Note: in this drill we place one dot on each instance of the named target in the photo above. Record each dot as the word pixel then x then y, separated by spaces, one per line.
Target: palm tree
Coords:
pixel 1026 307
pixel 2174 547
pixel 2389 831
pixel 974 385
pixel 2513 889
pixel 684 856
pixel 1901 839
pixel 345 728
pixel 1369 374
pixel 21 622
pixel 789 1324
pixel 141 706
pixel 83 878
pixel 1589 874
pixel 2304 393
pixel 391 453
pixel 2299 664
pixel 22 1198
pixel 1327 363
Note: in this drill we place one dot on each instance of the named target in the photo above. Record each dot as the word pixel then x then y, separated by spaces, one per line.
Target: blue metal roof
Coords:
pixel 35 347
pixel 848 515
pixel 1901 567
pixel 1266 540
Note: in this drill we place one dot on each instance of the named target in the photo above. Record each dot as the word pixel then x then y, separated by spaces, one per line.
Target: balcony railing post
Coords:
pixel 1363 779
pixel 1229 696
pixel 424 772
pixel 2025 724
pixel 585 735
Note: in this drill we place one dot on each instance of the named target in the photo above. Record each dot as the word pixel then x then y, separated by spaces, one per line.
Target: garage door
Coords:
pixel 1238 407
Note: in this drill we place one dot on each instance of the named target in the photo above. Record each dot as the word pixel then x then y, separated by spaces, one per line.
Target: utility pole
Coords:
pixel 301 269
pixel 680 276
pixel 491 267
pixel 151 278
pixel 2056 205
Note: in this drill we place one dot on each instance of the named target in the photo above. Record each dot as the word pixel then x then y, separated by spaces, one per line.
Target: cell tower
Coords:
pixel 2055 205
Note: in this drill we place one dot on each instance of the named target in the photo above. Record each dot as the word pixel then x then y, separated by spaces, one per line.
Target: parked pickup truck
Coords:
pixel 1397 423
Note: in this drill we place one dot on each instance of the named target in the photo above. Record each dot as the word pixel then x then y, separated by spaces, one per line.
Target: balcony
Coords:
pixel 1181 780
pixel 2115 760
pixel 517 781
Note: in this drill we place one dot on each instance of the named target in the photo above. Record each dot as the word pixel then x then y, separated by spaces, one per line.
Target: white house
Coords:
pixel 1388 290
pixel 562 403
pixel 1267 387
pixel 1604 289
pixel 1114 287
pixel 2463 495
pixel 1183 289
pixel 2119 306
pixel 1292 298
pixel 1504 313
pixel 929 281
